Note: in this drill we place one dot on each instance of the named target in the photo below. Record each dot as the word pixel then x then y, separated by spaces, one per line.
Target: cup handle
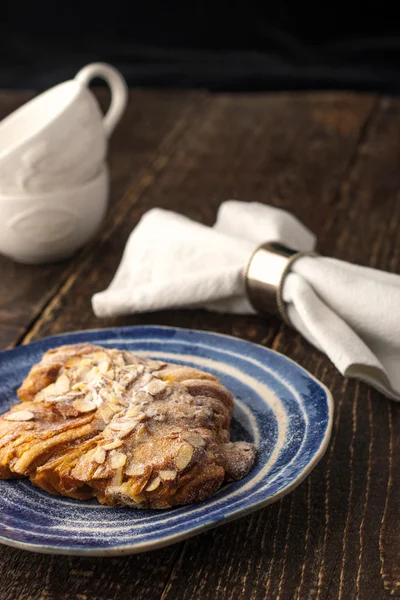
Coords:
pixel 117 85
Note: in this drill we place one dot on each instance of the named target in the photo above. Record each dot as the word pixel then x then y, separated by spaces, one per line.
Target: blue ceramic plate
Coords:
pixel 278 406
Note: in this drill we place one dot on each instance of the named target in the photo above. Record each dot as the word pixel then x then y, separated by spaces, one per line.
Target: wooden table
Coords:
pixel 331 158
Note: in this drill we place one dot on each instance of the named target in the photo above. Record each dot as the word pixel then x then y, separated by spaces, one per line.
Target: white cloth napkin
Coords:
pixel 350 313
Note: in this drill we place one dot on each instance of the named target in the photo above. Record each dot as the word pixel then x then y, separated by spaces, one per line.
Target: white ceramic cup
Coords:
pixel 59 138
pixel 47 227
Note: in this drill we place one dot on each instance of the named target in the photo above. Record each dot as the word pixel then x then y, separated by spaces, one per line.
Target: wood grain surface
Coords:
pixel 332 159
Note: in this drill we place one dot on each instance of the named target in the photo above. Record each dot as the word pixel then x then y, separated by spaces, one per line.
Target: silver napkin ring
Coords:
pixel 265 274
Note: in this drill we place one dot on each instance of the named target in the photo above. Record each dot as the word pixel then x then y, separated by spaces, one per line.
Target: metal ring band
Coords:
pixel 265 274
pixel 279 299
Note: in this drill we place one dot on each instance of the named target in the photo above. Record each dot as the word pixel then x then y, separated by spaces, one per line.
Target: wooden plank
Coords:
pixel 293 151
pixel 40 577
pixel 148 129
pixel 337 535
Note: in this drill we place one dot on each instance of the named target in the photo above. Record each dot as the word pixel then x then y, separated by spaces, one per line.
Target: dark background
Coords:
pixel 217 45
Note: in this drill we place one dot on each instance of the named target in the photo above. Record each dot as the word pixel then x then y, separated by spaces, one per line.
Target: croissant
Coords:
pixel 104 423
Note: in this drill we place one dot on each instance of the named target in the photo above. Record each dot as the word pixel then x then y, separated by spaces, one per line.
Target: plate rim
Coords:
pixel 128 549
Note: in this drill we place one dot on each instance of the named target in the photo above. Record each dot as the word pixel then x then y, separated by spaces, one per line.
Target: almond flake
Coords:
pixel 143 396
pixel 80 387
pixel 103 366
pixel 116 425
pixel 133 411
pixel 153 485
pixel 138 419
pixel 135 470
pixel 127 378
pixel 113 445
pixel 118 477
pixel 141 432
pixel 168 474
pixel 96 398
pixel 50 390
pixel 20 415
pixel 62 385
pixel 117 459
pixel 126 430
pixel 98 472
pixel 119 400
pixel 155 364
pixel 84 406
pixel 99 456
pixel 184 456
pixel 151 412
pixel 138 369
pixel 155 386
pixel 93 376
pixel 194 438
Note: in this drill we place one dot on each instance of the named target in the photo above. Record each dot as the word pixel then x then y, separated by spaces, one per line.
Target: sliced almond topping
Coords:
pixel 20 415
pixel 117 459
pixel 84 405
pixel 145 378
pixel 194 438
pixel 80 387
pixel 118 359
pixel 184 456
pixel 87 362
pixel 62 384
pixel 116 425
pixel 160 418
pixel 110 374
pixel 153 485
pixel 141 432
pixel 155 386
pixel 98 472
pixel 141 416
pixel 103 366
pixel 93 376
pixel 40 396
pixel 99 456
pixel 138 369
pixel 168 474
pixel 113 445
pixel 133 411
pixel 154 364
pixel 118 477
pixel 126 430
pixel 127 378
pixel 50 390
pixel 135 470
pixel 120 400
pixel 143 397
pixel 107 413
pixel 95 397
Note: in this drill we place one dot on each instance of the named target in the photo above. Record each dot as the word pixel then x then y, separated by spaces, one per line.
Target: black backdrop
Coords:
pixel 218 45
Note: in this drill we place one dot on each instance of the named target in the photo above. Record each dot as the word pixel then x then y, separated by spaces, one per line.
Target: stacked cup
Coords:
pixel 53 172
